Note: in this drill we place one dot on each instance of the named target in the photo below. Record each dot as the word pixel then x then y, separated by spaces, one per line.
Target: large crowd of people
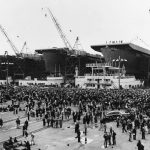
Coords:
pixel 53 105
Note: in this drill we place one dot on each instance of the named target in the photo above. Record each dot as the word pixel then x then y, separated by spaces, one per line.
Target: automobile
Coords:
pixel 112 115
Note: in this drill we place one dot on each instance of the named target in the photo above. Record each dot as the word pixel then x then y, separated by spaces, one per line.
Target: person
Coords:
pixel 28 145
pixel 74 114
pixel 23 130
pixel 15 140
pixel 143 133
pixel 18 122
pixel 84 119
pixel 26 133
pixel 114 137
pixel 124 126
pixel 134 133
pixel 117 122
pixel 52 122
pixel 26 124
pixel 28 114
pixel 140 145
pixel 78 135
pixel 130 135
pixel 105 139
pixel 1 122
pixel 56 122
pixel 10 141
pixel 105 127
pixel 32 139
pixel 44 122
pixel 109 138
pixel 101 124
pixel 60 122
pixel 111 130
pixel 95 121
pixel 48 121
pixel 85 129
pixel 76 127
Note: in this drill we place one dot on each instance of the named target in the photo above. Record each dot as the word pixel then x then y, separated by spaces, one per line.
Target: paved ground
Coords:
pixel 64 138
pixel 7 116
pixel 9 129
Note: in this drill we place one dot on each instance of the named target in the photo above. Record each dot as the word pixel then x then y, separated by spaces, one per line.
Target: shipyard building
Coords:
pixel 135 58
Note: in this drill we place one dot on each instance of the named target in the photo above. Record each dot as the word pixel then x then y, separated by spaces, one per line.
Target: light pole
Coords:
pixel 119 61
pixel 119 73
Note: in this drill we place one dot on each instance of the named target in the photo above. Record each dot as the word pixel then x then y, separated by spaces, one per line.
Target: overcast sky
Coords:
pixel 94 21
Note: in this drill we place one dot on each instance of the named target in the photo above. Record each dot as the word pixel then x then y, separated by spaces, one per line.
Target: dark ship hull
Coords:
pixel 55 60
pixel 137 58
pixel 19 68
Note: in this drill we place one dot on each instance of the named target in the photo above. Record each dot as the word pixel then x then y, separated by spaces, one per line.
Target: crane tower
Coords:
pixel 19 71
pixel 10 42
pixel 71 60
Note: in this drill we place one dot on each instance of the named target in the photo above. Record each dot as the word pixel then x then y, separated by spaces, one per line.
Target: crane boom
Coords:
pixel 10 42
pixel 23 47
pixel 61 33
pixel 71 61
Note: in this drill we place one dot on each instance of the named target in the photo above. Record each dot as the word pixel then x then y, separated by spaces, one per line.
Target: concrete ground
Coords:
pixel 64 138
pixel 8 116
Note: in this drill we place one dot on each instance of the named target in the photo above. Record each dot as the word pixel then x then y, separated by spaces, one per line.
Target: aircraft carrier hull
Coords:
pixel 20 68
pixel 135 60
pixel 55 60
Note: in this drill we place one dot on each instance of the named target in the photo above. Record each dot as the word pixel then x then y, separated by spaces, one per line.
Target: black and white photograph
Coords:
pixel 74 74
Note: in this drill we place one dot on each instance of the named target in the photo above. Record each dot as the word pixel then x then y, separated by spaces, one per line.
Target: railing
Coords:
pixel 99 74
pixel 125 77
pixel 98 65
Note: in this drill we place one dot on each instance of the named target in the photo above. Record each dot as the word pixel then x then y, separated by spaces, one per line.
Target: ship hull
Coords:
pixel 19 68
pixel 56 61
pixel 137 63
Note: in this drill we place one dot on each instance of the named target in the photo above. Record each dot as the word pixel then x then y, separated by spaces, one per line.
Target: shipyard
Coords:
pixel 74 75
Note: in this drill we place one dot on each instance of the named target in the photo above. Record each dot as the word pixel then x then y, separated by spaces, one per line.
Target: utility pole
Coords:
pixel 119 73
pixel 6 63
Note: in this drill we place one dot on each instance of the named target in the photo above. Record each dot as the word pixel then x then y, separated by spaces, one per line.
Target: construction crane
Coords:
pixel 10 42
pixel 71 60
pixel 25 43
pixel 19 71
pixel 78 46
pixel 60 31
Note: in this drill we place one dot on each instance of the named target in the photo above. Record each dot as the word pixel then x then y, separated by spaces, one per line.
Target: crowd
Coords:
pixel 52 106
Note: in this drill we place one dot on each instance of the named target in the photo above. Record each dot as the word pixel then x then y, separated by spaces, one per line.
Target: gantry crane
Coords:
pixel 71 60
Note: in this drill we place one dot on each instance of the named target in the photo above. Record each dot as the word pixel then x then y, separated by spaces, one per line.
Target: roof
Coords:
pixel 64 51
pixel 52 50
pixel 116 46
